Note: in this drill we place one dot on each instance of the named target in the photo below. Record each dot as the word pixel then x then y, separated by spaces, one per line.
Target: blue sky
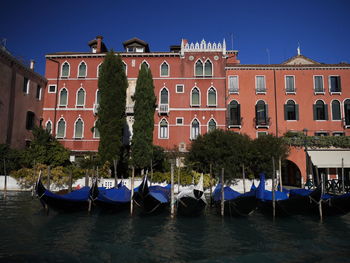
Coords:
pixel 37 27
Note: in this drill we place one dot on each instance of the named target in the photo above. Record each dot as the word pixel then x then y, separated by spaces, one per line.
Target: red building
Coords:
pixel 201 86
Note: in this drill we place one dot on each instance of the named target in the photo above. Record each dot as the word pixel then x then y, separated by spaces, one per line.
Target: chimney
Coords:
pixel 32 62
pixel 99 44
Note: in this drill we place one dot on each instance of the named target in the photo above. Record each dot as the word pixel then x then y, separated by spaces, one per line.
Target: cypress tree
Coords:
pixel 112 85
pixel 145 103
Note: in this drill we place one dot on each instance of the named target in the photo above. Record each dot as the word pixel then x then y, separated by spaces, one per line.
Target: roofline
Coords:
pixel 123 54
pixel 288 67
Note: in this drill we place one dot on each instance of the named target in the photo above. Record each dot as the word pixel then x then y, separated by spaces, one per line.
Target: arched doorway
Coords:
pixel 291 174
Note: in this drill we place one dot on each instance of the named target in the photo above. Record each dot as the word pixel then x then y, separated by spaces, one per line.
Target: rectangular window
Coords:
pixel 338 133
pixel 30 120
pixel 260 84
pixel 180 121
pixel 290 85
pixel 52 89
pixel 334 84
pixel 321 133
pixel 180 88
pixel 233 84
pixel 38 92
pixel 26 85
pixel 318 84
pixel 260 134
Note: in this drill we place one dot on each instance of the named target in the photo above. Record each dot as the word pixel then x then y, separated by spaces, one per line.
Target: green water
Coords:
pixel 27 234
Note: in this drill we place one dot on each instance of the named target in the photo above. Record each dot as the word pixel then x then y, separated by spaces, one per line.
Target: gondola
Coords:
pixel 73 201
pixel 151 199
pixel 114 199
pixel 287 203
pixel 235 203
pixel 191 201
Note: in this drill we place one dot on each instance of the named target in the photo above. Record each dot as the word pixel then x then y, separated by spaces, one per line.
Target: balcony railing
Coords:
pixel 234 123
pixel 163 109
pixel 346 122
pixel 262 123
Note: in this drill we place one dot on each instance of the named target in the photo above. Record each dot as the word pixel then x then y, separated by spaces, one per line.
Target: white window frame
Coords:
pixel 59 98
pixel 40 92
pixel 65 128
pixel 318 92
pixel 160 96
pixel 199 128
pixel 338 132
pixel 329 84
pixel 182 121
pixel 160 69
pixel 324 103
pixel 195 105
pixel 183 88
pixel 76 101
pixel 52 85
pixel 94 133
pixel 216 97
pixel 212 68
pixel 126 68
pixel 194 68
pixel 331 109
pixel 295 103
pixel 98 69
pixel 257 133
pixel 144 61
pixel 48 121
pixel 285 84
pixel 86 69
pixel 27 86
pixel 216 124
pixel 82 132
pixel 160 132
pixel 69 67
pixel 256 84
pixel 233 92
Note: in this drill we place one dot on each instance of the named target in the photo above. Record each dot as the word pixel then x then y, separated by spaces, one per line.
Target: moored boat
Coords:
pixel 191 201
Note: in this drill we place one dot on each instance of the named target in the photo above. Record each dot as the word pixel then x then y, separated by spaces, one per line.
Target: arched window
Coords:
pixel 125 67
pixel 208 68
pixel 96 132
pixel 211 97
pixel 99 67
pixel 163 129
pixel 65 70
pixel 82 70
pixel 164 96
pixel 320 110
pixel 234 113
pixel 199 68
pixel 61 129
pixel 49 126
pixel 78 129
pixel 291 111
pixel 195 98
pixel 164 70
pixel 261 113
pixel 336 115
pixel 81 98
pixel 63 98
pixel 194 129
pixel 144 63
pixel 211 125
pixel 347 111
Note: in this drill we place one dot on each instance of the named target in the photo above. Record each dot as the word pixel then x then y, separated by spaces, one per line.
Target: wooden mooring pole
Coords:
pixel 172 191
pixel 70 181
pixel 178 180
pixel 5 181
pixel 87 177
pixel 210 186
pixel 273 188
pixel 132 189
pixel 48 178
pixel 243 175
pixel 115 163
pixel 222 192
pixel 322 192
pixel 280 172
pixel 342 176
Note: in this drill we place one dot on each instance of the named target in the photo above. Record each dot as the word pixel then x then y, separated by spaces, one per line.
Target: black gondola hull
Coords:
pixel 240 206
pixel 190 206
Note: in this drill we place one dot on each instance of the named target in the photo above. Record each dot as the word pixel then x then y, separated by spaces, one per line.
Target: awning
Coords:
pixel 330 158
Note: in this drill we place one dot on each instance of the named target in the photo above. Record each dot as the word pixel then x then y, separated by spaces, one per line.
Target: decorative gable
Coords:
pixel 300 60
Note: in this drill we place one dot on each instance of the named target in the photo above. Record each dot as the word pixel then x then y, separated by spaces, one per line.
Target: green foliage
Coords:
pixel 186 177
pixel 11 157
pixel 159 159
pixel 145 103
pixel 59 176
pixel 298 139
pixel 263 150
pixel 44 149
pixel 221 149
pixel 112 84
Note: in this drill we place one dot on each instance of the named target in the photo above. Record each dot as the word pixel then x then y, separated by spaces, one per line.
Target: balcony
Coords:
pixel 237 123
pixel 163 109
pixel 262 123
pixel 346 122
pixel 95 108
pixel 129 110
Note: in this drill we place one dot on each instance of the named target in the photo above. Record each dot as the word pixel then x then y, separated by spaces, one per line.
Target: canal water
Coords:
pixel 27 234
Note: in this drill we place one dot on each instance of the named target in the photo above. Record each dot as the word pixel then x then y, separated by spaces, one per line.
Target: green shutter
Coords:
pixel 297 112
pixel 285 112
pixel 326 111
pixel 314 110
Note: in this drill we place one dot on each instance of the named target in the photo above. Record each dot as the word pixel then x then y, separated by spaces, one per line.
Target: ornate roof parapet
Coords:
pixel 203 46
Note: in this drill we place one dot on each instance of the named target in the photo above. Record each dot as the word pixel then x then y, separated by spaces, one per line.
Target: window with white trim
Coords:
pixel 49 126
pixel 211 97
pixel 81 97
pixel 26 83
pixel 63 98
pixel 78 129
pixel 320 110
pixel 260 84
pixel 195 97
pixel 336 114
pixel 163 129
pixel 164 69
pixel 65 70
pixel 179 121
pixel 347 112
pixel 208 68
pixel 318 84
pixel 199 68
pixel 82 70
pixel 211 125
pixel 290 84
pixel 61 128
pixel 180 88
pixel 291 111
pixel 334 84
pixel 195 129
pixel 52 89
pixel 38 92
pixel 233 84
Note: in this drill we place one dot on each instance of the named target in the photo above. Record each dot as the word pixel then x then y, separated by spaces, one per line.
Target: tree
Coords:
pixel 145 103
pixel 221 149
pixel 112 85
